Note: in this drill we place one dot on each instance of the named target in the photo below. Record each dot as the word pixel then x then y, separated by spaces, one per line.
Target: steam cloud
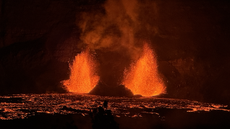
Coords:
pixel 116 29
pixel 116 32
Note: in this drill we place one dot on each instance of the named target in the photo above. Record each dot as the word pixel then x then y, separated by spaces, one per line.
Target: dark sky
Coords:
pixel 190 38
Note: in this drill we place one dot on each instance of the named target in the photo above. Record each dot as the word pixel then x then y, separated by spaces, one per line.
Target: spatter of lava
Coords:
pixel 83 76
pixel 143 78
pixel 22 106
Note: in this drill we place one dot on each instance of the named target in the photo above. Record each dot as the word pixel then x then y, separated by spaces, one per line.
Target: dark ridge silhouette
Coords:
pixel 105 90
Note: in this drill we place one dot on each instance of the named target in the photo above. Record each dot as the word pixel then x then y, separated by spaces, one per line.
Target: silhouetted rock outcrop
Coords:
pixel 105 90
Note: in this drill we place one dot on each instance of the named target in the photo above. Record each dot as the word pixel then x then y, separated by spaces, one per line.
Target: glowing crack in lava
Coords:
pixel 83 76
pixel 142 77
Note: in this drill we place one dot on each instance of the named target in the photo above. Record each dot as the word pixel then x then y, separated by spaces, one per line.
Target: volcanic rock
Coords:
pixel 105 90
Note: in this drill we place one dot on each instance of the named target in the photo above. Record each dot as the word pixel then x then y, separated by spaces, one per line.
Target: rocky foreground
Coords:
pixel 73 111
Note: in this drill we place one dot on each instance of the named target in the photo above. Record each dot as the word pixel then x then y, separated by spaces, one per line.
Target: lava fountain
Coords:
pixel 142 77
pixel 83 77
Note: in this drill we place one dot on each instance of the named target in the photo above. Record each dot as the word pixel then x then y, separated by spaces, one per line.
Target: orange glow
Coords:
pixel 83 77
pixel 143 77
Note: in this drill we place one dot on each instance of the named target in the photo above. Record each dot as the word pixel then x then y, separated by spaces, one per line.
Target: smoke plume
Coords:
pixel 113 29
pixel 116 32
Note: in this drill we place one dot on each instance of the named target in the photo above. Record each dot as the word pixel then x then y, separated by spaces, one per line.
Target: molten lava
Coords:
pixel 83 76
pixel 143 77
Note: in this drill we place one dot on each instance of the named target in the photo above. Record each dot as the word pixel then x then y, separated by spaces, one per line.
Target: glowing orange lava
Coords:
pixel 83 77
pixel 143 77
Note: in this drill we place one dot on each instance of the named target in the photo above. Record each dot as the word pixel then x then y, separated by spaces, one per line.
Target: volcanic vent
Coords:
pixel 83 76
pixel 126 63
pixel 141 77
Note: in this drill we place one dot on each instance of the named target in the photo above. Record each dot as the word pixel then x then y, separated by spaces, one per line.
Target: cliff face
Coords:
pixel 31 35
pixel 39 38
pixel 192 49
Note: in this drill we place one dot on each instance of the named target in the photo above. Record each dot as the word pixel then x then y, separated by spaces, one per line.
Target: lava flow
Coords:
pixel 143 77
pixel 83 76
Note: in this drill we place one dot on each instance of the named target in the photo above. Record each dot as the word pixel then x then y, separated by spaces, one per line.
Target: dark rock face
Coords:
pixel 27 68
pixel 38 39
pixel 108 90
pixel 194 60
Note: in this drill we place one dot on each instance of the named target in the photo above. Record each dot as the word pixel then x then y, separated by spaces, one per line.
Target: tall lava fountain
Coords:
pixel 83 76
pixel 143 77
pixel 115 32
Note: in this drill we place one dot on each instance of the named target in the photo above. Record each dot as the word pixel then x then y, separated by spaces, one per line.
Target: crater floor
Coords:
pixel 166 112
